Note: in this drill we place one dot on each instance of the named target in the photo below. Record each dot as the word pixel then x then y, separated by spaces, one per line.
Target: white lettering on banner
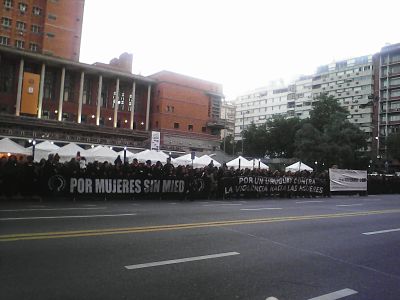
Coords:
pixel 125 186
pixel 72 185
pixel 173 186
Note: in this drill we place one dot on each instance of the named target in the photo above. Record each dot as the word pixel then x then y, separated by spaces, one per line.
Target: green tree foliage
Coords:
pixel 255 140
pixel 393 145
pixel 328 137
pixel 280 137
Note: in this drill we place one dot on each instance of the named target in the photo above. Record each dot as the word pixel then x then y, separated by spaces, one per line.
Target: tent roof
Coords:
pixel 101 151
pixel 46 146
pixel 9 146
pixel 262 165
pixel 205 161
pixel 298 166
pixel 128 154
pixel 152 155
pixel 184 159
pixel 69 150
pixel 243 162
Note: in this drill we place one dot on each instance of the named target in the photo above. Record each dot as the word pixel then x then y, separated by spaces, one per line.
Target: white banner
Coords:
pixel 155 140
pixel 347 180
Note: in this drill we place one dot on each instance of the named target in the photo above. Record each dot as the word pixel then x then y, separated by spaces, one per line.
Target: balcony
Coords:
pixel 216 124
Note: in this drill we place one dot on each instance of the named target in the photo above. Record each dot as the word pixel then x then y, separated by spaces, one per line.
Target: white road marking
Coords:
pixel 336 295
pixel 381 231
pixel 48 209
pixel 263 208
pixel 172 203
pixel 310 201
pixel 357 204
pixel 223 204
pixel 89 205
pixel 65 217
pixel 177 261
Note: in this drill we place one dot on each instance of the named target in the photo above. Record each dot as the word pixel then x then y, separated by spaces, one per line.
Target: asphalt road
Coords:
pixel 319 248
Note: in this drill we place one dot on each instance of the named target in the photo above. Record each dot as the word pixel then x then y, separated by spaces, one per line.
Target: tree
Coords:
pixel 254 140
pixel 280 138
pixel 393 145
pixel 329 138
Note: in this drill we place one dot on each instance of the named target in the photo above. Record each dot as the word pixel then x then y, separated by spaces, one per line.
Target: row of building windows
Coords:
pixel 20 44
pixel 189 127
pixel 7 22
pixel 22 7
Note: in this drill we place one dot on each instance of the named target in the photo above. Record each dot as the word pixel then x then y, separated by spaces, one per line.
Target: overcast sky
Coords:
pixel 241 44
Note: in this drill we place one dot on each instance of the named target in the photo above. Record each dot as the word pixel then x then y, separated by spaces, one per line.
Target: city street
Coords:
pixel 344 247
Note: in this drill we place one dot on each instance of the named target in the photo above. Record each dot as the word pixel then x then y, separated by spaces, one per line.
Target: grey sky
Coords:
pixel 240 44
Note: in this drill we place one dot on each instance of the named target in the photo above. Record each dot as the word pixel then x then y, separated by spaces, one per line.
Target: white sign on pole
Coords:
pixel 347 180
pixel 155 140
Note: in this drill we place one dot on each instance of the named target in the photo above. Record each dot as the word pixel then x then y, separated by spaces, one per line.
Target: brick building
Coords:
pixel 186 111
pixel 43 26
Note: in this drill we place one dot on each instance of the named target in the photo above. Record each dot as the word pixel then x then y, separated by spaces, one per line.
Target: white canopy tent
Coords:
pixel 244 163
pixel 129 155
pixel 69 151
pixel 205 160
pixel 8 146
pixel 183 160
pixel 298 166
pixel 43 149
pixel 101 154
pixel 257 162
pixel 152 155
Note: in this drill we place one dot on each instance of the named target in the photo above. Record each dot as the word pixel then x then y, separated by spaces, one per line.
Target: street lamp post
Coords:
pixel 125 155
pixel 243 114
pixel 33 149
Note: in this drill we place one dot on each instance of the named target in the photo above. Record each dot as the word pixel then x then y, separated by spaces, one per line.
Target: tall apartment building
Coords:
pixel 228 112
pixel 351 83
pixel 388 95
pixel 50 27
pixel 260 105
pixel 300 98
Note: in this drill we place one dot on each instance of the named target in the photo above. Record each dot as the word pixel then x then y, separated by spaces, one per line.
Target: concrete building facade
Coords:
pixel 388 96
pixel 43 26
pixel 260 105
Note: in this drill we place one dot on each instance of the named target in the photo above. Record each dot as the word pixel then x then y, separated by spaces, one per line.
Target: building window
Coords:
pixel 6 22
pixel 176 125
pixel 52 17
pixel 22 7
pixel 21 25
pixel 4 40
pixel 104 95
pixel 203 129
pixel 156 124
pixel 68 88
pixel 190 127
pixel 50 35
pixel 19 44
pixel 35 28
pixel 6 78
pixel 37 11
pixel 49 84
pixel 87 92
pixel 33 47
pixel 8 3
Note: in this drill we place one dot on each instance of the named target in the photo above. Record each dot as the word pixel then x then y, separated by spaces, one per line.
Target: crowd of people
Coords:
pixel 24 177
